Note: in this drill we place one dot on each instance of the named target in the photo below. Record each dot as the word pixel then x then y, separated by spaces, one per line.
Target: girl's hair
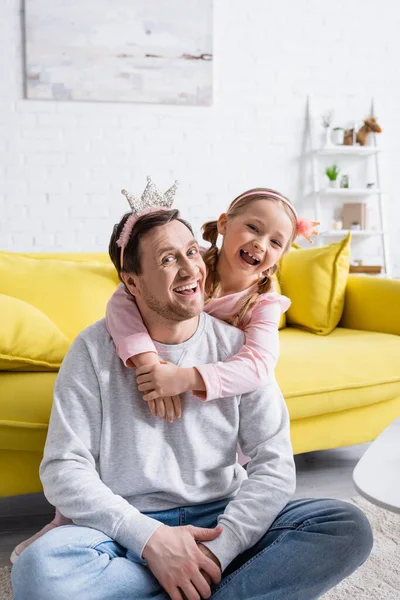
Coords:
pixel 211 255
pixel 133 250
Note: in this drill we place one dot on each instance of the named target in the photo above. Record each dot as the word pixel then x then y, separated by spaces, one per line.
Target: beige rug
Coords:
pixel 377 579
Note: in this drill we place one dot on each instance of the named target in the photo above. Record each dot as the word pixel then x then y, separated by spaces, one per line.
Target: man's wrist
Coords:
pixel 151 544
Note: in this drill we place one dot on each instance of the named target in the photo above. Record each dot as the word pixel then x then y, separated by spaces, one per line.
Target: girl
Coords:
pixel 259 226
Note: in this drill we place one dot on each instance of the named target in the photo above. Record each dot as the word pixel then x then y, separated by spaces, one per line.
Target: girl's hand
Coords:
pixel 162 380
pixel 166 408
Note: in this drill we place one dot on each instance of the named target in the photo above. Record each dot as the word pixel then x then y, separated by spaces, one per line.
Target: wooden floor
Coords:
pixel 319 474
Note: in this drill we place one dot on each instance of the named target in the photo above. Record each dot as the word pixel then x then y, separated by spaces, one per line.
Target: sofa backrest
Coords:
pixel 72 289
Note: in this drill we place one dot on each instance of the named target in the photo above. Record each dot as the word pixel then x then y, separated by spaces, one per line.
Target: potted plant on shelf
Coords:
pixel 338 136
pixel 332 173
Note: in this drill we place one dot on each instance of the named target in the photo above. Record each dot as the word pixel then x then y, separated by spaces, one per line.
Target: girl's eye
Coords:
pixel 276 243
pixel 252 227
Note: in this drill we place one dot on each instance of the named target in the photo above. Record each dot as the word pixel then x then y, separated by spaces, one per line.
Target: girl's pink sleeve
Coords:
pixel 124 324
pixel 250 368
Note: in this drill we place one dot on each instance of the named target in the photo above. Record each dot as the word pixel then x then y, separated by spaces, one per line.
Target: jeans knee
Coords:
pixel 24 575
pixel 31 575
pixel 358 533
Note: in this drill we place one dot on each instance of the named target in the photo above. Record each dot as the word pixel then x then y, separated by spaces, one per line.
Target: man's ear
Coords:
pixel 132 283
pixel 222 223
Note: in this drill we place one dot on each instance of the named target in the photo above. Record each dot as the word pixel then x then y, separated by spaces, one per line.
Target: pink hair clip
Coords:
pixel 306 228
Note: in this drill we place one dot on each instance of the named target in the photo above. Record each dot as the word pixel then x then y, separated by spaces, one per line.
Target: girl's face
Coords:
pixel 255 238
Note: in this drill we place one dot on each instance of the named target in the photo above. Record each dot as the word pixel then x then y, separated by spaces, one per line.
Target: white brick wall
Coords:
pixel 63 164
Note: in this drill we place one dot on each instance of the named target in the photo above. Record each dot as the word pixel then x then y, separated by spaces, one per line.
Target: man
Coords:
pixel 163 510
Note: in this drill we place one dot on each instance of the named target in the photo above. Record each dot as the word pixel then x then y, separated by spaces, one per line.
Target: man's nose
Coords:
pixel 188 267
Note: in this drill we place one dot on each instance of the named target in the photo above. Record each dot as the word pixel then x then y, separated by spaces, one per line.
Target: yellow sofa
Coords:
pixel 341 388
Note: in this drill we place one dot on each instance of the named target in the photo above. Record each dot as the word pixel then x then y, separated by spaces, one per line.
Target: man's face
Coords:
pixel 173 273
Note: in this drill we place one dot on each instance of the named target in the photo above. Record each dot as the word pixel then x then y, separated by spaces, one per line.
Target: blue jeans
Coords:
pixel 310 547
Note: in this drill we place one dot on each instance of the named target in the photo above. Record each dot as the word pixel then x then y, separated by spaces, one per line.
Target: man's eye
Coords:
pixel 167 259
pixel 252 227
pixel 192 252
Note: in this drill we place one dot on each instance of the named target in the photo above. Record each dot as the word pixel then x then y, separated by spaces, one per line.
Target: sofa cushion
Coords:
pixel 315 281
pixel 347 369
pixel 29 341
pixel 72 294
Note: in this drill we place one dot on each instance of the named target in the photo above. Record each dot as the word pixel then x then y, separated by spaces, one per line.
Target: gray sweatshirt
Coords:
pixel 107 460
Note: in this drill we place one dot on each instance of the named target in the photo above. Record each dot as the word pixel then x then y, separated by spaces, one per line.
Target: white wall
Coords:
pixel 63 164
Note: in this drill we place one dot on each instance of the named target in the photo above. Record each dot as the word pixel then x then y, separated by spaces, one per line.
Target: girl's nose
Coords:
pixel 258 246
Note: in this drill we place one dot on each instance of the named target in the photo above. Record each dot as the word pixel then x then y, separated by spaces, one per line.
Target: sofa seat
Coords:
pixel 340 389
pixel 25 406
pixel 347 369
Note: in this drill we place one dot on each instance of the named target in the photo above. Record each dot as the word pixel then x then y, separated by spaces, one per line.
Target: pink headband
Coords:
pixel 305 227
pixel 126 232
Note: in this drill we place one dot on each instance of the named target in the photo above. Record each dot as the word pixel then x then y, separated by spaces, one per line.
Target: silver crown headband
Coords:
pixel 150 201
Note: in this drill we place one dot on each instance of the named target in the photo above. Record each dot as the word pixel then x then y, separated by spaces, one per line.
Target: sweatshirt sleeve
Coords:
pixel 255 362
pixel 68 469
pixel 264 436
pixel 124 324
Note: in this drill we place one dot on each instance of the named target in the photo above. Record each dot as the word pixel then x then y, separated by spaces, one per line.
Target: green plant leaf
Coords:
pixel 332 172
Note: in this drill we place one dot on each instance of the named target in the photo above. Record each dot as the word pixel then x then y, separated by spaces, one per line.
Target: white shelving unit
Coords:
pixel 321 193
pixel 356 232
pixel 348 192
pixel 349 150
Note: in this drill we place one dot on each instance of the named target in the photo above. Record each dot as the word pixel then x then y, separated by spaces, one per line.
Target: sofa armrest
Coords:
pixel 372 304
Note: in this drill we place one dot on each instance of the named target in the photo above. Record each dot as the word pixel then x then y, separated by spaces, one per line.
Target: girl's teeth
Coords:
pixel 251 256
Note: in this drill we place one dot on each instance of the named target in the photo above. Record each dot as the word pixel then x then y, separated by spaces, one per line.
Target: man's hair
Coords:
pixel 132 251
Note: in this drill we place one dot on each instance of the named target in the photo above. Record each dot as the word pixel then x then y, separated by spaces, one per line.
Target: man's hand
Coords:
pixel 166 408
pixel 180 565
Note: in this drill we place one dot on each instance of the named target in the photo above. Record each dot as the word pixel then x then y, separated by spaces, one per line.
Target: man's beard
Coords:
pixel 169 310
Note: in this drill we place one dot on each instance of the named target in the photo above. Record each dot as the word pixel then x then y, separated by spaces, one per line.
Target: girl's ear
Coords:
pixel 222 223
pixel 132 283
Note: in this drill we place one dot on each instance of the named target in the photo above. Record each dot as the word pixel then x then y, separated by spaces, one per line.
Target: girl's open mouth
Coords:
pixel 249 258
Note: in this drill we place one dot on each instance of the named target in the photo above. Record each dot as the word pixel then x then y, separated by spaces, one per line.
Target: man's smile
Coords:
pixel 189 289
